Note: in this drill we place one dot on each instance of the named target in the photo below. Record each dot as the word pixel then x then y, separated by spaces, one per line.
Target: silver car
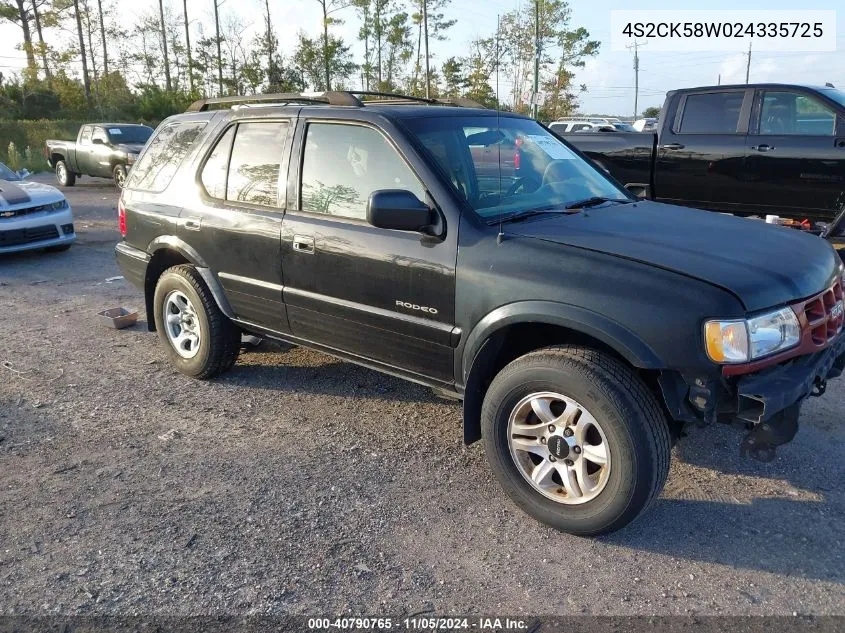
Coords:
pixel 32 215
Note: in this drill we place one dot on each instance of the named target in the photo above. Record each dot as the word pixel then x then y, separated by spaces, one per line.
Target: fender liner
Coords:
pixel 173 243
pixel 482 346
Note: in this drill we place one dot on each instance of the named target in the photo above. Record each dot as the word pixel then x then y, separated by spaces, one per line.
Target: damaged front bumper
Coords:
pixel 771 399
pixel 767 402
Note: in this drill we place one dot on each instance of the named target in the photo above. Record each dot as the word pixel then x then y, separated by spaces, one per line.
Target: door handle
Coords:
pixel 193 224
pixel 672 146
pixel 303 244
pixel 763 148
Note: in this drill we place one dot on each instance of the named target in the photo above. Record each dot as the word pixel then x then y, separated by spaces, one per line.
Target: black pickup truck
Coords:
pixel 582 327
pixel 107 150
pixel 747 149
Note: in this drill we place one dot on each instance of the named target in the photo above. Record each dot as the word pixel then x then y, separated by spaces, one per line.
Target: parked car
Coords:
pixel 570 127
pixel 764 149
pixel 582 327
pixel 32 215
pixel 107 150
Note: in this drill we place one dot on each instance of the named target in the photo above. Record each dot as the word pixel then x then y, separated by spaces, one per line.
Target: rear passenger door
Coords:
pixel 235 223
pixel 382 295
pixel 701 153
pixel 796 154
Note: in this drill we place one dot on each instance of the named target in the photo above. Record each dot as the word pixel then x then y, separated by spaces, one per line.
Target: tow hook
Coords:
pixel 819 387
pixel 762 442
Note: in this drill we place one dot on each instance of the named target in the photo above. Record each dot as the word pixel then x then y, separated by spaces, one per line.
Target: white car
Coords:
pixel 32 215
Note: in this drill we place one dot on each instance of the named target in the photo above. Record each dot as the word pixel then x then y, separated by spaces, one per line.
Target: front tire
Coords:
pixel 64 176
pixel 576 439
pixel 200 340
pixel 119 176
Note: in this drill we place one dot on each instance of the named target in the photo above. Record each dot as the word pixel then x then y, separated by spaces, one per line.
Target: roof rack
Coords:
pixel 330 97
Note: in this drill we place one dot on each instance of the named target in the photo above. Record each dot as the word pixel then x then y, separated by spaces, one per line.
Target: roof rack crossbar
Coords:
pixel 331 97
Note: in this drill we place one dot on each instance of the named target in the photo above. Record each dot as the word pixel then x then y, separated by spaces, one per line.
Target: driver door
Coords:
pixel 383 295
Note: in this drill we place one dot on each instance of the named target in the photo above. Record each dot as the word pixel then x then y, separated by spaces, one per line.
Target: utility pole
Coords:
pixel 425 30
pixel 719 80
pixel 748 65
pixel 635 46
pixel 535 100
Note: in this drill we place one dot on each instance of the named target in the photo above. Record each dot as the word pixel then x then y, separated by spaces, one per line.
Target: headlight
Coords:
pixel 747 340
pixel 131 158
pixel 58 206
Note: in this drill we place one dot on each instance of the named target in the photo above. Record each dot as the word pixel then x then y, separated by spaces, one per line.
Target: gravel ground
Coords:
pixel 298 484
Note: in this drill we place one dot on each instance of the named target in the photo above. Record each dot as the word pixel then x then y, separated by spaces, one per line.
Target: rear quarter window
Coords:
pixel 162 157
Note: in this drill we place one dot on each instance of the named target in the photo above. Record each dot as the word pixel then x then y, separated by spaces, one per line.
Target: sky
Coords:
pixel 609 76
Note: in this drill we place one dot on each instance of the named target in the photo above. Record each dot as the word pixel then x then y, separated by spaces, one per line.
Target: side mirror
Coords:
pixel 98 141
pixel 398 209
pixel 641 191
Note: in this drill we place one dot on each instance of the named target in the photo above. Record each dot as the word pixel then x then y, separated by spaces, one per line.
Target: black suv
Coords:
pixel 581 326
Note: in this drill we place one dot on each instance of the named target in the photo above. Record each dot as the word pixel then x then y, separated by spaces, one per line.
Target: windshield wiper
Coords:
pixel 568 209
pixel 592 202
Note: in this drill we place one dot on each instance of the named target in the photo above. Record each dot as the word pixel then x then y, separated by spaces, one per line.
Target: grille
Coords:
pixel 27 236
pixel 824 314
pixel 9 213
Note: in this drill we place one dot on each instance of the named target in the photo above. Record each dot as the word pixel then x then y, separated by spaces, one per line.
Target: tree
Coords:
pixel 651 112
pixel 86 79
pixel 42 46
pixel 15 11
pixel 363 8
pixel 311 63
pixel 188 45
pixel 437 26
pixel 217 40
pixel 329 7
pixel 480 66
pixel 399 50
pixel 167 82
pixel 103 37
pixel 454 81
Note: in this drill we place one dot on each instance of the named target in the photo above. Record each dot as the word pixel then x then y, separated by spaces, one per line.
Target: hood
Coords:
pixel 21 192
pixel 763 265
pixel 130 148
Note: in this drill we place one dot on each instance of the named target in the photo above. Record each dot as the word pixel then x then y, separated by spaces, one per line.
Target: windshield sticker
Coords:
pixel 553 148
pixel 115 130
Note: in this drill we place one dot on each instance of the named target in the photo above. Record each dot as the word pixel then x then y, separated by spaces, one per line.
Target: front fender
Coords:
pixel 598 326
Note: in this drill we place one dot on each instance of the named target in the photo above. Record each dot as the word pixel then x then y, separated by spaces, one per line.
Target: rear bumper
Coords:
pixel 763 395
pixel 132 263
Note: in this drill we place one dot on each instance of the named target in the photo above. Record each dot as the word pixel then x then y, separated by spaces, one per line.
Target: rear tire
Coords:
pixel 119 176
pixel 200 340
pixel 618 418
pixel 64 176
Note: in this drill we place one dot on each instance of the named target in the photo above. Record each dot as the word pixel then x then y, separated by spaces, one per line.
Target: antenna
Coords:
pixel 501 236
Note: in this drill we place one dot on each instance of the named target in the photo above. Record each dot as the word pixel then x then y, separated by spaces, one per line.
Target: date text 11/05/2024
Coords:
pixel 419 623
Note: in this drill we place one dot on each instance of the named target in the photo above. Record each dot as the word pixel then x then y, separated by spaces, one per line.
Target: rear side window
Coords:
pixel 712 113
pixel 255 163
pixel 85 137
pixel 214 172
pixel 166 151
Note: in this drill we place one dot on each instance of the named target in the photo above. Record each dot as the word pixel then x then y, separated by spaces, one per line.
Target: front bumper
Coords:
pixel 765 394
pixel 36 230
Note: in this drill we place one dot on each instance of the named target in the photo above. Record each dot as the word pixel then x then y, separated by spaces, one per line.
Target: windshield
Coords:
pixel 136 134
pixel 836 95
pixel 507 165
pixel 7 174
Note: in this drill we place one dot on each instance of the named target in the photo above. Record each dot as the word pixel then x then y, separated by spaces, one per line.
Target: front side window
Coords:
pixel 255 163
pixel 793 113
pixel 712 113
pixel 99 135
pixel 162 157
pixel 343 164
pixel 505 165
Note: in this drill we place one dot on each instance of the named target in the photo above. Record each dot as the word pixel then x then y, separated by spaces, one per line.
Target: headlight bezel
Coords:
pixel 742 350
